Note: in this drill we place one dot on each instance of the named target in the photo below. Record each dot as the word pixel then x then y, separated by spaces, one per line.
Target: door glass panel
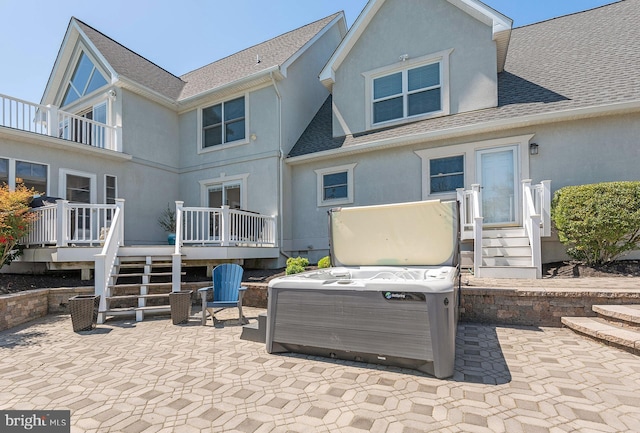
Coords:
pixel 232 193
pixel 499 198
pixel 78 189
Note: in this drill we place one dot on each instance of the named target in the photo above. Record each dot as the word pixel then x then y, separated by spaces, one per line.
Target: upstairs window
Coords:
pixel 408 93
pixel 85 79
pixel 408 90
pixel 223 123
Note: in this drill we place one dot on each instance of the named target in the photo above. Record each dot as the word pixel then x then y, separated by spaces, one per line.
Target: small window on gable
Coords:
pixel 407 93
pixel 446 174
pixel 223 123
pixel 335 185
pixel 85 79
pixel 408 90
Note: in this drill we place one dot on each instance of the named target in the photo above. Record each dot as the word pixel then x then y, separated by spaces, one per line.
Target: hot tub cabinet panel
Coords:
pixel 384 320
pixel 390 297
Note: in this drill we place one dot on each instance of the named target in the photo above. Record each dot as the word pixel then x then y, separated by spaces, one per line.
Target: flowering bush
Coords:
pixel 15 220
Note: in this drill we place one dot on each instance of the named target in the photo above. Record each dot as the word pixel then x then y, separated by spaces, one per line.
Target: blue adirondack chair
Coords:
pixel 227 292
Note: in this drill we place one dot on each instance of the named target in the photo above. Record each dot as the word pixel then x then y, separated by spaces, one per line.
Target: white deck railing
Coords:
pixel 471 221
pixel 65 223
pixel 536 218
pixel 224 226
pixel 48 120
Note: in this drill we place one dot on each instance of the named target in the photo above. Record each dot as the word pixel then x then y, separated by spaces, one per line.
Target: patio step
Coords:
pixel 141 311
pixel 257 331
pixel 122 297
pixel 616 325
pixel 138 285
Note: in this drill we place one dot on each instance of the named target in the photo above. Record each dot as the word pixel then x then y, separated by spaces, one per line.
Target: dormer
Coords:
pixel 412 60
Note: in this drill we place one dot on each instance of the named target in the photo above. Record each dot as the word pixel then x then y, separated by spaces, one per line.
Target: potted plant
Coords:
pixel 167 221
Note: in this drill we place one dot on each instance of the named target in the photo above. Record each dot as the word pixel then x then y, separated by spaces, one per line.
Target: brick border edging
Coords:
pixel 500 306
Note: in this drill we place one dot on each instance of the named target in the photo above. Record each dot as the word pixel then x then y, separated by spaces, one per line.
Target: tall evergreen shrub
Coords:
pixel 598 222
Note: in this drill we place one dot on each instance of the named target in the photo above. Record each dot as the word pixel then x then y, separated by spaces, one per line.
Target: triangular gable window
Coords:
pixel 86 78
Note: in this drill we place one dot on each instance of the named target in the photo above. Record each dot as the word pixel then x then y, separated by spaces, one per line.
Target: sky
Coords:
pixel 183 35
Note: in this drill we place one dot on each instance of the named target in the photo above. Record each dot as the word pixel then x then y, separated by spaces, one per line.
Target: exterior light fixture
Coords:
pixel 404 57
pixel 533 149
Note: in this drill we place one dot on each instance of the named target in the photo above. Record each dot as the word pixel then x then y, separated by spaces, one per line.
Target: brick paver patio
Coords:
pixel 153 376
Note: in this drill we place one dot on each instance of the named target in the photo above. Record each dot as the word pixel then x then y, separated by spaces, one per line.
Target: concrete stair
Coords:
pixel 615 325
pixel 506 253
pixel 257 331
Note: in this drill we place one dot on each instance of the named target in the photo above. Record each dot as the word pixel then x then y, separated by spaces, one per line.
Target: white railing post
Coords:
pixel 120 230
pixel 62 220
pixel 546 208
pixel 176 257
pixel 225 229
pixel 476 205
pixel 526 213
pixel 52 120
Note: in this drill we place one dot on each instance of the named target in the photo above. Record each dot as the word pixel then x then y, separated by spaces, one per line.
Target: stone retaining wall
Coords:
pixel 536 307
pixel 500 306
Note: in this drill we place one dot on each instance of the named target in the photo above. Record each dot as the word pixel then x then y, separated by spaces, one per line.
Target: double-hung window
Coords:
pixel 446 174
pixel 407 93
pixel 335 185
pixel 223 123
pixel 408 90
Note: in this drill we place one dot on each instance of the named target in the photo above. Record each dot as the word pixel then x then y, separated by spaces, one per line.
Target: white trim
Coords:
pixel 468 150
pixel 224 145
pixel 499 126
pixel 223 179
pixel 441 57
pixel 62 188
pixel 320 173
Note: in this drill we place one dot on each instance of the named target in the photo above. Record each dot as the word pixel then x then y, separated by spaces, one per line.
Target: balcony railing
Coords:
pixel 225 227
pixel 48 120
pixel 65 223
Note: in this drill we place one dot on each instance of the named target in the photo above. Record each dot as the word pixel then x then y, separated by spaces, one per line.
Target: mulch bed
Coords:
pixel 10 283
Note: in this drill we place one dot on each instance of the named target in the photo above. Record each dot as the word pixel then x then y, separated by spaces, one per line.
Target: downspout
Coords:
pixel 280 167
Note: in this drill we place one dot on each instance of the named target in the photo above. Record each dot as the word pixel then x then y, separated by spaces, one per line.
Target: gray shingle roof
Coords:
pixel 581 60
pixel 273 52
pixel 133 66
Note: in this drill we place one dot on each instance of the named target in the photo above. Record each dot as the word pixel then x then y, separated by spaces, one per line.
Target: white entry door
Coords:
pixel 498 178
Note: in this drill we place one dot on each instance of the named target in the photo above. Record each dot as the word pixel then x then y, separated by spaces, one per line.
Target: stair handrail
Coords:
pixel 105 261
pixel 531 220
pixel 176 257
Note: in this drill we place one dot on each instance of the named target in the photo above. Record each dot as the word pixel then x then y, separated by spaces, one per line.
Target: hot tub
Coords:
pixel 398 306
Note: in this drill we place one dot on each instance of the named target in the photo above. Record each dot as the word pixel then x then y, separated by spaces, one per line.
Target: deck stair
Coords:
pixel 140 286
pixel 615 325
pixel 506 253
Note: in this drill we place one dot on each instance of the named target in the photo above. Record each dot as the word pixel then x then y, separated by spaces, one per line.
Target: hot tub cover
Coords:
pixel 404 234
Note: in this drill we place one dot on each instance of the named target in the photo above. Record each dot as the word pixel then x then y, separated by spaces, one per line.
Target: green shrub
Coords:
pixel 324 262
pixel 598 222
pixel 295 265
